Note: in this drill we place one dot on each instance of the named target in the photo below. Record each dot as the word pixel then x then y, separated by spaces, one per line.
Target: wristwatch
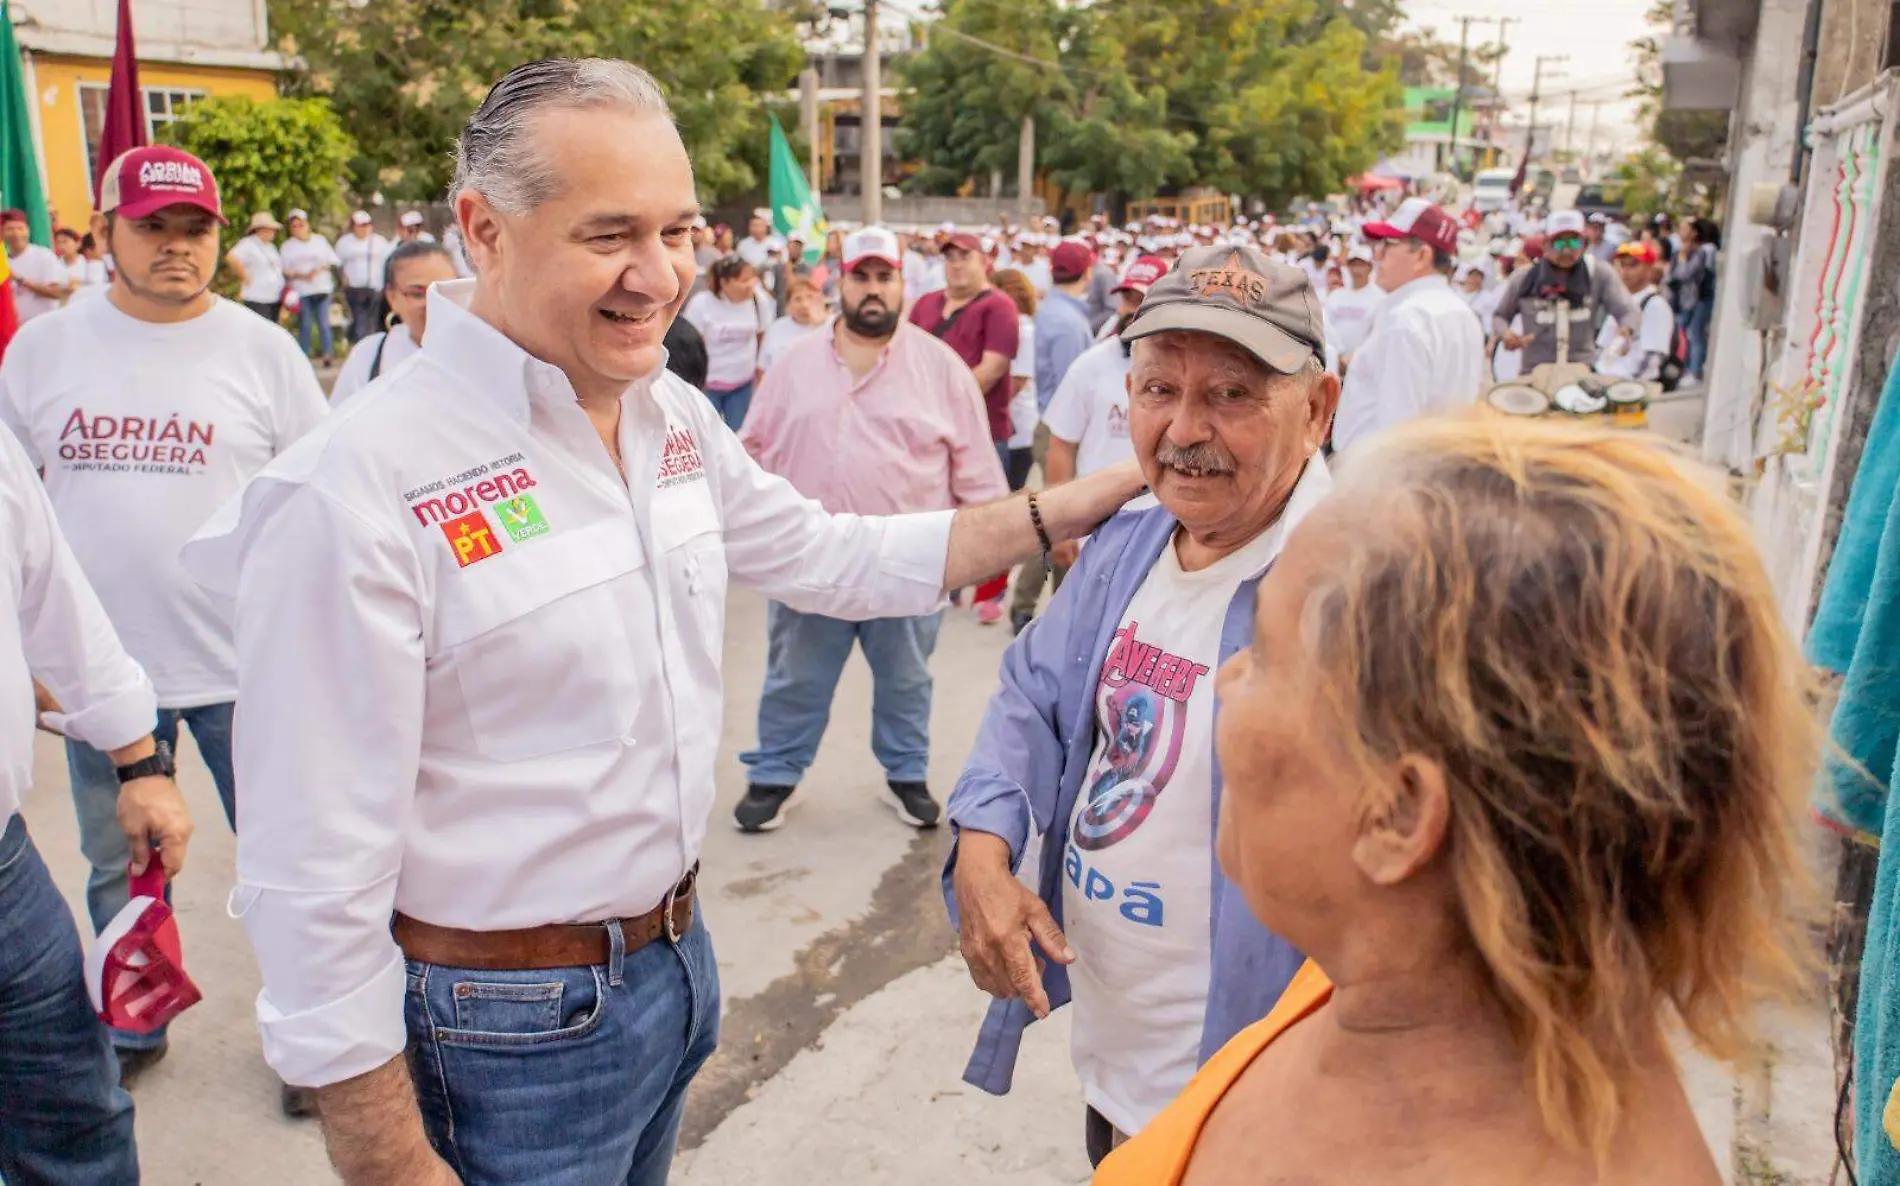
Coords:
pixel 159 765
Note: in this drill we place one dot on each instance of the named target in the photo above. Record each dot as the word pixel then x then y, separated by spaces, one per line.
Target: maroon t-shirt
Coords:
pixel 987 323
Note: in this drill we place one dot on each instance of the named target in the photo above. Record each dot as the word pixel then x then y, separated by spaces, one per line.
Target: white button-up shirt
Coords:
pixel 480 673
pixel 52 626
pixel 1425 354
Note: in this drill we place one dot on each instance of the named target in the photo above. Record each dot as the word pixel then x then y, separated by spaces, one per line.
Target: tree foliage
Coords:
pixel 405 74
pixel 1681 136
pixel 1266 98
pixel 271 155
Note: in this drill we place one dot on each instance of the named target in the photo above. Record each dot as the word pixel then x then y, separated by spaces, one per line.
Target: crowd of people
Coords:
pixel 1503 781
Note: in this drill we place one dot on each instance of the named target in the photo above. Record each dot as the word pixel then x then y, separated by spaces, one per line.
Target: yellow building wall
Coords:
pixel 62 132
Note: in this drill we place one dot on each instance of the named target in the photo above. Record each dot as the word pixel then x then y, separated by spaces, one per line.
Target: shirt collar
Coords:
pixel 488 361
pixel 1422 284
pixel 1316 482
pixel 853 381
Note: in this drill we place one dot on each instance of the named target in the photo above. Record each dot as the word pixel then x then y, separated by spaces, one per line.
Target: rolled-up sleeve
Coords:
pixel 68 641
pixel 789 548
pixel 328 742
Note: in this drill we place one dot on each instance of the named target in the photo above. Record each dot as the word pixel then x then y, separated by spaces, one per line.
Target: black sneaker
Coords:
pixel 763 808
pixel 1019 621
pixel 913 804
pixel 135 1062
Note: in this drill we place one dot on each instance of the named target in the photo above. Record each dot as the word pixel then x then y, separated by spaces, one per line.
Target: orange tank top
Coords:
pixel 1159 1156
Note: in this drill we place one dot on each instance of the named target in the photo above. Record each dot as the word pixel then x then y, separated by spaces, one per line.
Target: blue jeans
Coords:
pixel 1696 328
pixel 96 801
pixel 313 313
pixel 566 1077
pixel 63 1117
pixel 732 405
pixel 805 657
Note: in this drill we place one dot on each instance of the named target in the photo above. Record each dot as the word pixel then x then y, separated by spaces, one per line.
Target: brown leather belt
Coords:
pixel 558 945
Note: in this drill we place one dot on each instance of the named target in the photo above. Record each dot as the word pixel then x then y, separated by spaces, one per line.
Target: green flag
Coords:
pixel 19 165
pixel 795 209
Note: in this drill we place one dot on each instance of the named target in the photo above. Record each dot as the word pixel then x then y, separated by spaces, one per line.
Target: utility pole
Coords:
pixel 1497 87
pixel 871 124
pixel 808 116
pixel 1504 47
pixel 1458 87
pixel 1596 117
pixel 1570 127
pixel 1026 168
pixel 1537 87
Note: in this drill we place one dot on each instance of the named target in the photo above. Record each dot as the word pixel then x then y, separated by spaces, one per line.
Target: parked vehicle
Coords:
pixel 1491 189
pixel 1606 200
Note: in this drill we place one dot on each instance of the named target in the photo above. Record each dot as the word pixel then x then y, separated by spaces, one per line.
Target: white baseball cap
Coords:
pixel 872 243
pixel 1564 222
pixel 1360 253
pixel 298 213
pixel 361 218
pixel 411 218
pixel 762 214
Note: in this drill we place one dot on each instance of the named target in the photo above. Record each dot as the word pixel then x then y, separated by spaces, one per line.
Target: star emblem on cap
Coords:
pixel 1233 278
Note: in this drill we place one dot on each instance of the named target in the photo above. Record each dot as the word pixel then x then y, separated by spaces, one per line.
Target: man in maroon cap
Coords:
pixel 145 412
pixel 979 323
pixel 1426 351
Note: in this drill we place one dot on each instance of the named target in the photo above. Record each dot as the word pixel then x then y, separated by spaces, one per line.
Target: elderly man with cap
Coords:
pixel 481 621
pixel 146 411
pixel 41 282
pixel 1562 298
pixel 1349 311
pixel 873 417
pixel 363 253
pixel 1100 740
pixel 1426 351
pixel 259 267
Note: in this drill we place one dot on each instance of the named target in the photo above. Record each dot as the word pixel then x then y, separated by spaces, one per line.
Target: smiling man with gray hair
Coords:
pixel 480 620
pixel 1111 761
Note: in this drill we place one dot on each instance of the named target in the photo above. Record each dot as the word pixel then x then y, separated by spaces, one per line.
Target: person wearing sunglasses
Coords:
pixel 1563 297
pixel 411 269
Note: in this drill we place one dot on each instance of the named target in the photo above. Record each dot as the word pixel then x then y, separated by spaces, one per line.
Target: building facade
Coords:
pixel 188 49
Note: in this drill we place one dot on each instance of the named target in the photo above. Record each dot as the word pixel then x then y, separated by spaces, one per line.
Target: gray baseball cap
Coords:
pixel 1268 309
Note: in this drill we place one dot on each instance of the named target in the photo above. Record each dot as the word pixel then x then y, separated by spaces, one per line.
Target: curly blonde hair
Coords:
pixel 1580 632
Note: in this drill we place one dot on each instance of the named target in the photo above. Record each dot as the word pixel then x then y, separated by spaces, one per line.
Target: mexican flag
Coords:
pixel 19 165
pixel 795 210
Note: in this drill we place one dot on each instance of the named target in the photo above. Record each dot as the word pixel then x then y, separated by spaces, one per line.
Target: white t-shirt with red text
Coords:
pixel 1137 888
pixel 1090 408
pixel 142 431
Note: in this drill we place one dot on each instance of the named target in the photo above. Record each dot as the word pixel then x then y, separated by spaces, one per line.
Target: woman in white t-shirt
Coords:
pixel 804 316
pixel 87 275
pixel 310 265
pixel 732 315
pixel 411 269
pixel 260 271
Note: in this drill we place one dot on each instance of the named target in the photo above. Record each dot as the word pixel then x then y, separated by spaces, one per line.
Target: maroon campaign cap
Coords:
pixel 146 180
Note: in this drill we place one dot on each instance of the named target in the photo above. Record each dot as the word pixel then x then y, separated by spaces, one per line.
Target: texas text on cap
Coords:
pixel 871 243
pixel 1418 219
pixel 1266 308
pixel 1142 275
pixel 145 180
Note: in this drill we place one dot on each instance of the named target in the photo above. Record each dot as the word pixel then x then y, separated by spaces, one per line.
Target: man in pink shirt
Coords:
pixel 872 416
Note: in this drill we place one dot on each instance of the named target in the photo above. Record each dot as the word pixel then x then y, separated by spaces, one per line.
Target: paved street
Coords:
pixel 847 1018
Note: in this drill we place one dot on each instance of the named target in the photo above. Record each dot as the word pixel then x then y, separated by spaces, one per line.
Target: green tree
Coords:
pixel 405 74
pixel 1680 136
pixel 269 155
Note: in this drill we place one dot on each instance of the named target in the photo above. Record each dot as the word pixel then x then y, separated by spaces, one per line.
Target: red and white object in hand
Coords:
pixel 135 971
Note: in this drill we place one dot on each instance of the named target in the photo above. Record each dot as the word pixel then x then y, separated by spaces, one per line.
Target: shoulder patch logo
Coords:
pixel 471 539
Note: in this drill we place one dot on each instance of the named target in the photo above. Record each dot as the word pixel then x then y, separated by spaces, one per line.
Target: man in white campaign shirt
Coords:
pixel 41 283
pixel 480 622
pixel 1426 350
pixel 147 410
pixel 363 253
pixel 63 1116
pixel 1099 745
pixel 1350 310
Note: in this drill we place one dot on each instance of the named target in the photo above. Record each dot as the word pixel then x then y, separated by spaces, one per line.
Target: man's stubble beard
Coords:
pixel 884 330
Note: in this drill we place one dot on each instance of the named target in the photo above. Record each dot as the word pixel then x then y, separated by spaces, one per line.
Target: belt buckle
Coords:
pixel 672 931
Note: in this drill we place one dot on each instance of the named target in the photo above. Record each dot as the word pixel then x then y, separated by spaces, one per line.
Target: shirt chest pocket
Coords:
pixel 537 644
pixel 687 531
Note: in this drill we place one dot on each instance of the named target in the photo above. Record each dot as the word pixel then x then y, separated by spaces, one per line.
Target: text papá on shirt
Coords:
pixel 135 444
pixel 1141 705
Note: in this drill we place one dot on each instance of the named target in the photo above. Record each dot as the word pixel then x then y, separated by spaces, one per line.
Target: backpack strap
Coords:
pixel 376 363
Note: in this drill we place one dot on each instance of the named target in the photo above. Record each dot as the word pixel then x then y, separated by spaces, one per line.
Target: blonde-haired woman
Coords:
pixel 1515 758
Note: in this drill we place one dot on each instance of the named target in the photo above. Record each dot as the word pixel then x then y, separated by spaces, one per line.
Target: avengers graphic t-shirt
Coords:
pixel 143 430
pixel 1138 864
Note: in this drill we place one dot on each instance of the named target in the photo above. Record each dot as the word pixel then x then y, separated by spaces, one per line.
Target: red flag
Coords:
pixel 9 316
pixel 125 103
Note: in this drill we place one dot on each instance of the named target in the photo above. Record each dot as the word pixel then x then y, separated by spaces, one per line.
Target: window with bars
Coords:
pixel 163 105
